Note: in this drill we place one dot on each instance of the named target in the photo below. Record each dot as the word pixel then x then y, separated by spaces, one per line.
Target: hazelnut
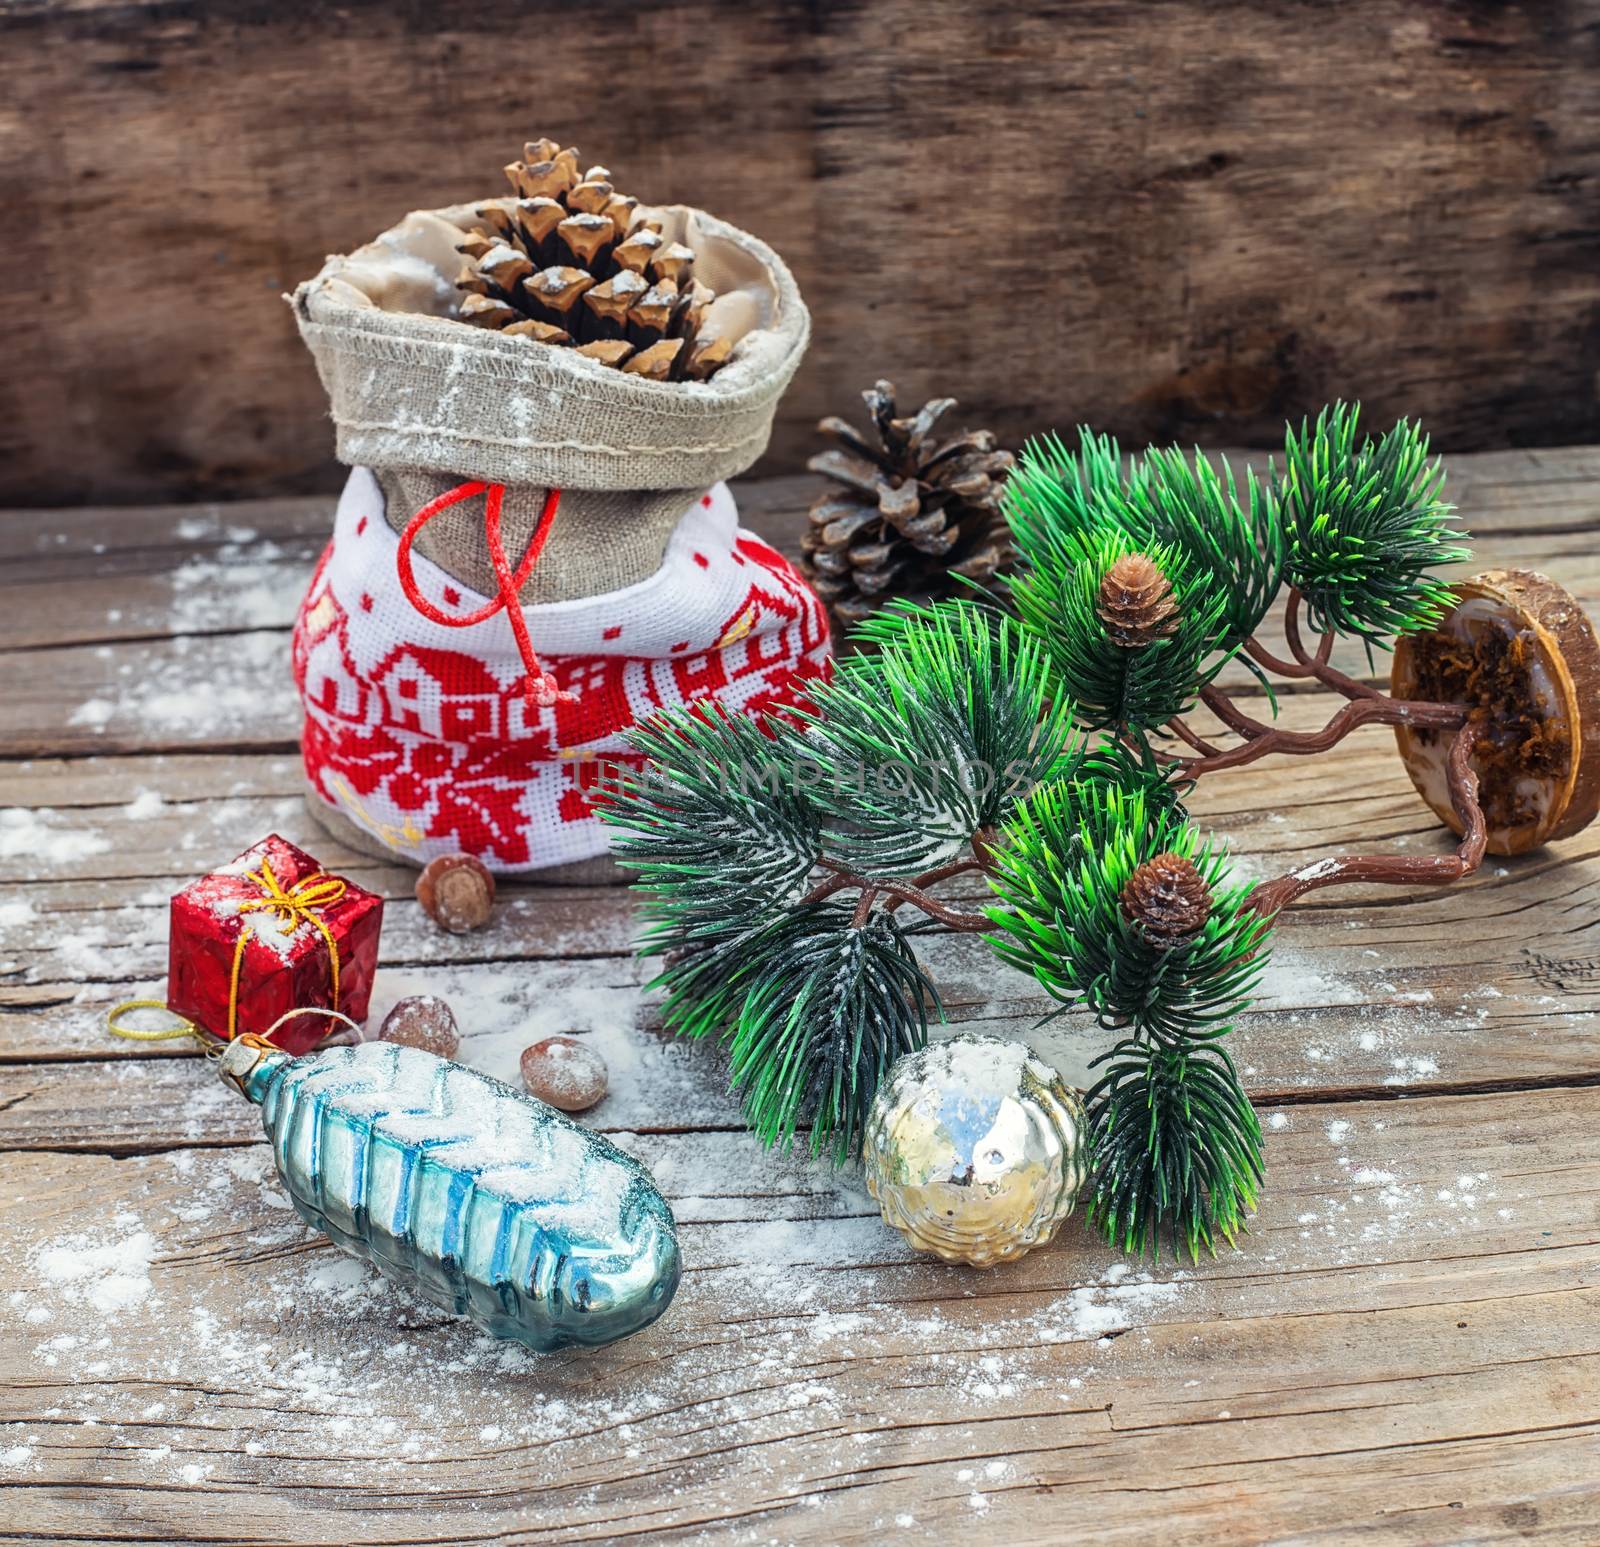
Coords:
pixel 457 892
pixel 425 1021
pixel 564 1072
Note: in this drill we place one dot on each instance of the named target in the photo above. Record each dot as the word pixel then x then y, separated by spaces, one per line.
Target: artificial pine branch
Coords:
pixel 775 896
pixel 1119 906
pixel 1111 685
pixel 1228 533
pixel 833 997
pixel 1177 1148
pixel 715 827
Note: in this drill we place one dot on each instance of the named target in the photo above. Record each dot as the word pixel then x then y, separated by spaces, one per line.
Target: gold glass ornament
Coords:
pixel 975 1150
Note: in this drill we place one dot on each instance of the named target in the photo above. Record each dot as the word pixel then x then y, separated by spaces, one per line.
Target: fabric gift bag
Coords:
pixel 532 554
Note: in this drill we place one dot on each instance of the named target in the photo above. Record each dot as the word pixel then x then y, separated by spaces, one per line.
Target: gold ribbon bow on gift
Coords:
pixel 305 900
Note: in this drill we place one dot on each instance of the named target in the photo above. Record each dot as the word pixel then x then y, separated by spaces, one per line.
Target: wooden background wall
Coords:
pixel 1172 217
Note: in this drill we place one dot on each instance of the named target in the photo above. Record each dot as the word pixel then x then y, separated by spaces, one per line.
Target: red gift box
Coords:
pixel 269 933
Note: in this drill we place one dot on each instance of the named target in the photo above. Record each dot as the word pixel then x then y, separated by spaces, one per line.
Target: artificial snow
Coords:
pixel 15 913
pixel 54 837
pixel 113 1277
pixel 792 1284
pixel 198 684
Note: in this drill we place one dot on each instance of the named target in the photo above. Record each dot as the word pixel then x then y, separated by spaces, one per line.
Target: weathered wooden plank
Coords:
pixel 1399 1352
pixel 125 819
pixel 1167 265
pixel 1386 1007
pixel 61 541
pixel 1485 983
pixel 1481 985
pixel 61 784
pixel 93 575
pixel 813 1383
pixel 232 691
pixel 1535 492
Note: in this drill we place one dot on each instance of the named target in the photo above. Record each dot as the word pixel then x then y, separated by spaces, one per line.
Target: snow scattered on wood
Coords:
pixel 54 837
pixel 111 1277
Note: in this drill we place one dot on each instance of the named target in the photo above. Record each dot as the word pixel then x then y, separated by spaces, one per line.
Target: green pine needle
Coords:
pixel 1053 493
pixel 1175 1141
pixel 721 835
pixel 1229 535
pixel 813 1011
pixel 1366 524
pixel 1061 866
pixel 1227 531
pixel 1177 1149
pixel 934 736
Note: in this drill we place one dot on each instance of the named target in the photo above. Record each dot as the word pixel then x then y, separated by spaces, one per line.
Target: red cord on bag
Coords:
pixel 540 686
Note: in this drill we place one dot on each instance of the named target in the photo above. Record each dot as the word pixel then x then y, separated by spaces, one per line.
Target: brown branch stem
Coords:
pixel 1271 897
pixel 1317 665
pixel 956 867
pixel 905 891
pixel 1307 666
pixel 1186 733
pixel 869 895
pixel 1365 706
pixel 842 878
pixel 1261 740
pixel 1231 714
pixel 840 881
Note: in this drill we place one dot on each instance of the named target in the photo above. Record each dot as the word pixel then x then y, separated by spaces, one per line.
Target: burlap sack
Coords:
pixel 427 402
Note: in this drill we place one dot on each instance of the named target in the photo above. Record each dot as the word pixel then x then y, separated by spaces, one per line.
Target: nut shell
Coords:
pixel 457 892
pixel 564 1072
pixel 425 1021
pixel 1518 649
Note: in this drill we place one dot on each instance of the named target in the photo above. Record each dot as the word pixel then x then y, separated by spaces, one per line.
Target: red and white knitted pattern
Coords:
pixel 423 734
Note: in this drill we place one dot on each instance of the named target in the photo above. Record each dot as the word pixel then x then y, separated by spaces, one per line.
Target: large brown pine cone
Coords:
pixel 1168 899
pixel 910 512
pixel 570 261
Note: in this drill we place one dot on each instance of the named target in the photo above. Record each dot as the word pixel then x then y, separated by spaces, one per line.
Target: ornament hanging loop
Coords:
pixel 265 1039
pixel 211 1046
pixel 241 1056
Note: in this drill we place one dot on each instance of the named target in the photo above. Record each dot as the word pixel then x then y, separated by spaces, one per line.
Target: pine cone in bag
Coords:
pixel 574 263
pixel 912 510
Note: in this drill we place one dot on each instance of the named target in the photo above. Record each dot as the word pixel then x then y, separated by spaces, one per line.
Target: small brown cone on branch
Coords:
pixel 1168 899
pixel 547 265
pixel 910 511
pixel 1136 603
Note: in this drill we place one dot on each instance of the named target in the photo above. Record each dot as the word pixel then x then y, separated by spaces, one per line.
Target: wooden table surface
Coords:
pixel 1403 1350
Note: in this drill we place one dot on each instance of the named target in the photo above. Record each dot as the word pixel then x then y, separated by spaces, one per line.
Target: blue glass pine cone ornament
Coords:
pixel 465 1190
